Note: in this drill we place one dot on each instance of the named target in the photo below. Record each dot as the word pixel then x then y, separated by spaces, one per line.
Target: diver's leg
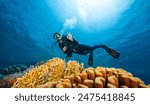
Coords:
pixel 90 61
pixel 82 49
pixel 110 51
pixel 98 46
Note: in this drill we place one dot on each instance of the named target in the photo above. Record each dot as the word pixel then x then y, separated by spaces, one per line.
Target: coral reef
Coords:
pixel 10 74
pixel 13 69
pixel 73 68
pixel 57 74
pixel 50 71
pixel 9 80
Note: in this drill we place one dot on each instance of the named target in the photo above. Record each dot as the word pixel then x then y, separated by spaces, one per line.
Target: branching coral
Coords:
pixel 55 74
pixel 73 67
pixel 53 70
pixel 50 71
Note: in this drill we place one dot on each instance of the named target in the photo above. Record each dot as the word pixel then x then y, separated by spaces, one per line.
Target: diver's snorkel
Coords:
pixel 56 36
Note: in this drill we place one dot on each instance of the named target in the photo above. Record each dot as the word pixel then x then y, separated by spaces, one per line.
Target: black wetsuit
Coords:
pixel 75 47
pixel 70 45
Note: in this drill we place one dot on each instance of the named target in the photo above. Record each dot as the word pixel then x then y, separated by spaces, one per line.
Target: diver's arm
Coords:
pixel 71 39
pixel 69 36
pixel 67 51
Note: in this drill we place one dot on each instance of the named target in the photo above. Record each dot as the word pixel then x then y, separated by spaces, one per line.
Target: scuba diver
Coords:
pixel 69 46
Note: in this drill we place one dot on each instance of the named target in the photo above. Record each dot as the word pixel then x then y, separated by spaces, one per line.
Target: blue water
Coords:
pixel 27 26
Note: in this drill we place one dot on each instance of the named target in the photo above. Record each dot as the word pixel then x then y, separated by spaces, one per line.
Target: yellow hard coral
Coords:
pixel 91 73
pixel 56 74
pixel 50 71
pixel 101 71
pixel 99 83
pixel 73 67
pixel 108 79
pixel 113 80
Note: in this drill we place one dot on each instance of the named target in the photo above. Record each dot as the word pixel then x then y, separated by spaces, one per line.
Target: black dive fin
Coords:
pixel 90 61
pixel 112 52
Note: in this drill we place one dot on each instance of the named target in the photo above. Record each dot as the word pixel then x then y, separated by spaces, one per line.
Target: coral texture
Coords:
pixel 50 71
pixel 13 69
pixel 8 81
pixel 57 74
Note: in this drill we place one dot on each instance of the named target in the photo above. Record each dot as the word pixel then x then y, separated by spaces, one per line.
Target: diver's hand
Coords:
pixel 64 49
pixel 69 36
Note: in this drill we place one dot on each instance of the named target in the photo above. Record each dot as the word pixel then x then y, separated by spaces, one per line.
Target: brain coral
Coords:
pixel 57 74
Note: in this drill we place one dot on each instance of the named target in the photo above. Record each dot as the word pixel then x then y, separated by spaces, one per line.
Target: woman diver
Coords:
pixel 69 46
